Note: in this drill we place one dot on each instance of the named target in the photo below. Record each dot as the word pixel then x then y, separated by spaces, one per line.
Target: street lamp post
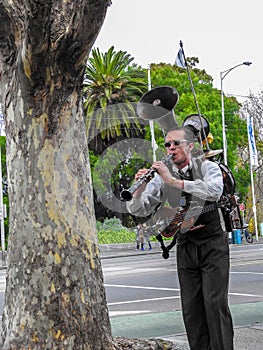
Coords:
pixel 222 77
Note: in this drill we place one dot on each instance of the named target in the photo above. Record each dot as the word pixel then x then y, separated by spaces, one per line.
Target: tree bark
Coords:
pixel 55 298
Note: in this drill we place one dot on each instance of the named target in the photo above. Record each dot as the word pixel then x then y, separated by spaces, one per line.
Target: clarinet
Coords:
pixel 127 194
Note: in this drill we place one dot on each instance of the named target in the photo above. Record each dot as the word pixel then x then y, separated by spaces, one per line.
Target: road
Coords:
pixel 143 292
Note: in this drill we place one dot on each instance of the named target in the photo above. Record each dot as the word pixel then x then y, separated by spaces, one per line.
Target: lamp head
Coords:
pixel 247 63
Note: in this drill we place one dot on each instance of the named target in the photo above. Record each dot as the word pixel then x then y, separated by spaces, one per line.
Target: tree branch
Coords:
pixel 79 32
pixel 10 33
pixel 47 42
pixel 61 26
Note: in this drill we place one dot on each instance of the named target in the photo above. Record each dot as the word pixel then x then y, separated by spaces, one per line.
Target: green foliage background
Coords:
pixel 123 90
pixel 209 103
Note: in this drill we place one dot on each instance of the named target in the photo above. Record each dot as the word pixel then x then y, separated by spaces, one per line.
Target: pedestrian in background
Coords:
pixel 139 237
pixel 148 232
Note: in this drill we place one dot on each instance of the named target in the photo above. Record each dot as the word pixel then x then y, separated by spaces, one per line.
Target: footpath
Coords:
pixel 248 337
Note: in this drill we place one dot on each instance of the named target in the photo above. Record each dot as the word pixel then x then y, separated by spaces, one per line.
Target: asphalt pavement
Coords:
pixel 249 337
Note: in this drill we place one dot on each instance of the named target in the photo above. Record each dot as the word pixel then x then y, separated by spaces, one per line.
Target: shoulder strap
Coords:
pixel 197 165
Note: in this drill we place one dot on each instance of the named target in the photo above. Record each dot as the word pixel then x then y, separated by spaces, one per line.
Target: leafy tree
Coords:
pixel 209 102
pixel 254 106
pixel 111 84
pixel 114 172
pixel 55 297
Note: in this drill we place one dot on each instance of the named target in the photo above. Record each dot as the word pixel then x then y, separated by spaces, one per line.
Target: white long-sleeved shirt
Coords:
pixel 207 188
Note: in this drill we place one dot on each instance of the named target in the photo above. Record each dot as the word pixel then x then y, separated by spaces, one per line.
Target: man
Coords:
pixel 148 232
pixel 202 245
pixel 139 236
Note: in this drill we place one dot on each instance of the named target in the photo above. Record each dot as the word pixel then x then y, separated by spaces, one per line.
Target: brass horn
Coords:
pixel 200 123
pixel 157 105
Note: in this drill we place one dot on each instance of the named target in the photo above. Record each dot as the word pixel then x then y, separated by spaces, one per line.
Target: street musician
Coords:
pixel 202 243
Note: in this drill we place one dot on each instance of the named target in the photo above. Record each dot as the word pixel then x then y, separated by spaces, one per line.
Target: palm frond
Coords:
pixel 110 79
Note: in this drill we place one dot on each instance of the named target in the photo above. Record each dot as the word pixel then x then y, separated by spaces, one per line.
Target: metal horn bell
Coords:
pixel 200 123
pixel 157 105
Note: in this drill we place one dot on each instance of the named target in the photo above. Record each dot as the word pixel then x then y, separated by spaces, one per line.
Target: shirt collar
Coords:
pixel 184 170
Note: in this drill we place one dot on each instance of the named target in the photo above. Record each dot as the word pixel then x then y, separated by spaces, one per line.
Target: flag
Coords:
pixel 179 60
pixel 252 142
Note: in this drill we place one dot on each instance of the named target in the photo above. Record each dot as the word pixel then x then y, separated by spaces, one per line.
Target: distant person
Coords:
pixel 148 232
pixel 139 237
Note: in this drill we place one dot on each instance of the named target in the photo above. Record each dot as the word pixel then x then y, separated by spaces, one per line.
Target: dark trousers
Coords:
pixel 203 272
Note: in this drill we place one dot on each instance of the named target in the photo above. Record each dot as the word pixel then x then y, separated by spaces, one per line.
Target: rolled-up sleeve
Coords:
pixel 150 199
pixel 210 187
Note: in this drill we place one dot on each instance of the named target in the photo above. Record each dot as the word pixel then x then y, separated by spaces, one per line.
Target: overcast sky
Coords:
pixel 221 34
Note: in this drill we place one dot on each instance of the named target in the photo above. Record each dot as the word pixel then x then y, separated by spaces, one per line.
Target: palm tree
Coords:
pixel 111 87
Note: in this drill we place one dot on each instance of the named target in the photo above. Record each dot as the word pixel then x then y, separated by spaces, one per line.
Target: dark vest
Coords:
pixel 207 214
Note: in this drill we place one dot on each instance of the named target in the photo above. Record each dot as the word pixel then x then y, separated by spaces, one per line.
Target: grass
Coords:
pixel 111 231
pixel 120 236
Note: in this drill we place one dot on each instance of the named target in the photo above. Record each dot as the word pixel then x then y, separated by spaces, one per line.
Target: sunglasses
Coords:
pixel 176 143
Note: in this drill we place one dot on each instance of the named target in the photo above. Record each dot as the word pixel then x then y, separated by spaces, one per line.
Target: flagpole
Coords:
pixel 253 161
pixel 151 121
pixel 254 201
pixel 194 94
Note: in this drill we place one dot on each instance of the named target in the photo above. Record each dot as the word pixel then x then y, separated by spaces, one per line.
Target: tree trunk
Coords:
pixel 55 297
